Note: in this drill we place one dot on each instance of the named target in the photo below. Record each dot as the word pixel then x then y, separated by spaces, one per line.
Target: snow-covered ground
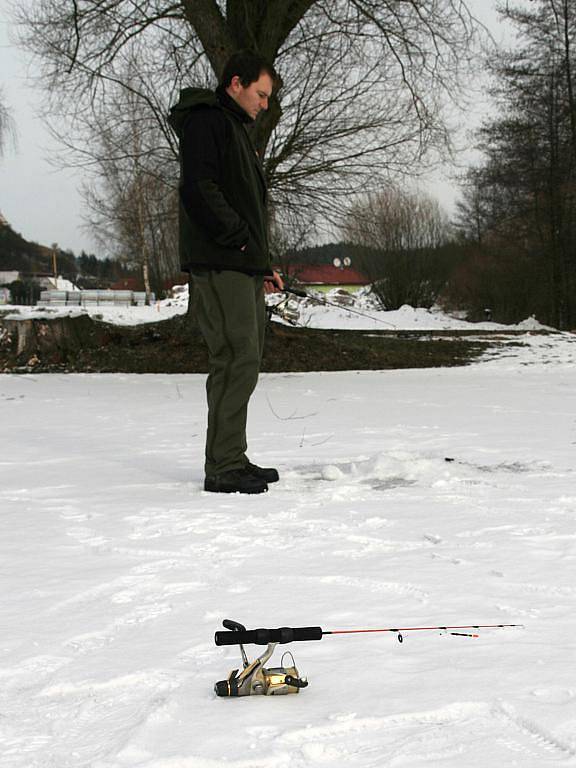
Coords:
pixel 310 314
pixel 116 568
pixel 160 310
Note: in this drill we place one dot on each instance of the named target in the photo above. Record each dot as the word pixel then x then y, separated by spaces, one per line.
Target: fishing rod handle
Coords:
pixel 296 292
pixel 265 636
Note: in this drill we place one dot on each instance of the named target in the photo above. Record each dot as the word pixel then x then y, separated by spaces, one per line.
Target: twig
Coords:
pixel 292 416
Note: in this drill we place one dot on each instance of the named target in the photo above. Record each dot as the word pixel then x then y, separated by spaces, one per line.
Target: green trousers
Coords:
pixel 232 317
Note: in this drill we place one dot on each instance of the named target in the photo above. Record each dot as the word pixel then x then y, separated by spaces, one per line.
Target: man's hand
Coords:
pixel 273 283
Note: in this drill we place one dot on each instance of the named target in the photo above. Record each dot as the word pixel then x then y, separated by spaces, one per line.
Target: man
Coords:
pixel 224 243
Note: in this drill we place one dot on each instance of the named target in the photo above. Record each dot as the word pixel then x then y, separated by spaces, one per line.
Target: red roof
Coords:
pixel 136 283
pixel 326 274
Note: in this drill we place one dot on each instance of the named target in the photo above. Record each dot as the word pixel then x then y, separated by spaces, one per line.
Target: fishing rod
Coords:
pixel 255 679
pixel 292 317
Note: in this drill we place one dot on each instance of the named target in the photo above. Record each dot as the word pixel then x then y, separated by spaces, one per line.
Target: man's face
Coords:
pixel 255 97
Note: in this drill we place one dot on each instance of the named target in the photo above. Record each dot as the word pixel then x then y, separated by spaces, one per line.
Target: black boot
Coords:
pixel 268 474
pixel 235 481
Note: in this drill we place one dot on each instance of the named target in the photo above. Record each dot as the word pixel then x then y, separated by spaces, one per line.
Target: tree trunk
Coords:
pixel 146 276
pixel 30 343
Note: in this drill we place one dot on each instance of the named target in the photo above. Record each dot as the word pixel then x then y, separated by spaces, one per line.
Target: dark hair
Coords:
pixel 248 66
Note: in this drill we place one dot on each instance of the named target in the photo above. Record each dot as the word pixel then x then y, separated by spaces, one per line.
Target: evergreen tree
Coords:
pixel 521 202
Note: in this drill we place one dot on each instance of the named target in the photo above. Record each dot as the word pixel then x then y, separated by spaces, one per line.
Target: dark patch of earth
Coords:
pixel 175 346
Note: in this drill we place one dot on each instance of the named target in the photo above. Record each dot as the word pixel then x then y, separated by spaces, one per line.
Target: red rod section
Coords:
pixel 418 629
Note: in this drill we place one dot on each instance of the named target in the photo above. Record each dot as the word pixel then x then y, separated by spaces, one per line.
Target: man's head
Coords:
pixel 249 80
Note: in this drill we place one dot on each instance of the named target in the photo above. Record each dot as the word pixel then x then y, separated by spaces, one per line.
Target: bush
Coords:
pixel 25 292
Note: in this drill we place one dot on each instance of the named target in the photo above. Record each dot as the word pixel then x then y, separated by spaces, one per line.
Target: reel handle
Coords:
pixel 266 636
pixel 234 625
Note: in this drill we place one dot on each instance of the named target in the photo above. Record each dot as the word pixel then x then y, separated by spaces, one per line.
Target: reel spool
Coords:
pixel 257 680
pixel 287 309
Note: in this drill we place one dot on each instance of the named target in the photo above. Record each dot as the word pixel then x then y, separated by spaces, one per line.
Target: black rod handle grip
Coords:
pixel 265 636
pixel 296 292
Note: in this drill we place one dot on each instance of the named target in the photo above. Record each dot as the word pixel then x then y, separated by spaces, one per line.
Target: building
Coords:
pixel 326 277
pixel 9 276
pixel 46 281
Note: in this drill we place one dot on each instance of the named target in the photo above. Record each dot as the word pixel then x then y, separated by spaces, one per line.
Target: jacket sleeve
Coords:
pixel 202 148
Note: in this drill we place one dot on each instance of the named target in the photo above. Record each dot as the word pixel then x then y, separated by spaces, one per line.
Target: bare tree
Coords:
pixel 403 233
pixel 286 238
pixel 133 209
pixel 7 128
pixel 397 220
pixel 364 80
pixel 525 189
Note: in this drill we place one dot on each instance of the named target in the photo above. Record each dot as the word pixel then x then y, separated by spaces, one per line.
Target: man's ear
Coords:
pixel 235 83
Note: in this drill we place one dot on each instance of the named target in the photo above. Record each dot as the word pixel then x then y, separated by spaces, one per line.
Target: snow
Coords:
pixel 311 314
pixel 116 568
pixel 62 284
pixel 405 318
pixel 118 315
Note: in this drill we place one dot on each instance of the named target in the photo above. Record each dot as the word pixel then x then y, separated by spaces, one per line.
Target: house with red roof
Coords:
pixel 326 277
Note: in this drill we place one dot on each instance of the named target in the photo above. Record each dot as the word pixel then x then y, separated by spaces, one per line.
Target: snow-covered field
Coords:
pixel 116 568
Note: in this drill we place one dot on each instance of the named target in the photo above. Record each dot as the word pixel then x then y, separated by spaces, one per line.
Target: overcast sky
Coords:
pixel 43 203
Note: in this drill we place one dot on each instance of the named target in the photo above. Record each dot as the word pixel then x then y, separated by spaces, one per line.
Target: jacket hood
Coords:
pixel 190 99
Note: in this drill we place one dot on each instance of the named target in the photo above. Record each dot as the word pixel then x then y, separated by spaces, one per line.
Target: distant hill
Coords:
pixel 86 271
pixel 19 254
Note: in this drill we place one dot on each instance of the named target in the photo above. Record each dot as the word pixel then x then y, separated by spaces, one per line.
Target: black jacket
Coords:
pixel 222 185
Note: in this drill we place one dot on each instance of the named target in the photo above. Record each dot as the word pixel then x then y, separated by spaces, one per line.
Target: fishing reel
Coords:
pixel 255 679
pixel 287 309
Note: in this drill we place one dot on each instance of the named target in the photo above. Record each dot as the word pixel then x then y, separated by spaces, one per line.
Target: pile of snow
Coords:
pixel 531 324
pixel 311 314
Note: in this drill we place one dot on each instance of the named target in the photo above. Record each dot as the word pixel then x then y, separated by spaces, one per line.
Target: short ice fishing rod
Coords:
pixel 325 303
pixel 256 679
